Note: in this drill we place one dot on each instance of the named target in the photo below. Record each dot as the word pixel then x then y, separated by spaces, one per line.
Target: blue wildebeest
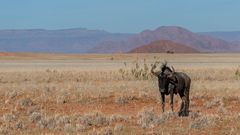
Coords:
pixel 171 82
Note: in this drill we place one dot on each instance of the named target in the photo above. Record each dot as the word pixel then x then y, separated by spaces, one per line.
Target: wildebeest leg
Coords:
pixel 180 113
pixel 163 101
pixel 186 93
pixel 171 88
pixel 184 109
pixel 171 96
pixel 185 103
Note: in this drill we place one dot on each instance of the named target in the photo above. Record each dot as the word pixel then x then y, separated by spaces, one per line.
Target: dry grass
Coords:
pixel 116 96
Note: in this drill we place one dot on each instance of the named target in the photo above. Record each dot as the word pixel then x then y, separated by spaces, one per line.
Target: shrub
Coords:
pixel 201 122
pixel 94 119
pixel 26 102
pixel 35 117
pixel 147 118
pixel 48 123
pixel 9 117
pixel 121 100
pixel 108 131
pixel 215 102
pixel 69 128
pixel 118 127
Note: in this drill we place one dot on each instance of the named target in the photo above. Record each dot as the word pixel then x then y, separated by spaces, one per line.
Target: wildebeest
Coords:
pixel 171 82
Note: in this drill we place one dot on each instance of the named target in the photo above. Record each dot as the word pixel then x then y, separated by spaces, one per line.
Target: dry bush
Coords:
pixel 47 123
pixel 11 94
pixel 147 118
pixel 5 129
pixel 124 99
pixel 81 128
pixel 94 119
pixel 202 122
pixel 69 128
pixel 9 117
pixel 213 103
pixel 118 127
pixel 119 118
pixel 62 99
pixel 26 102
pixel 137 72
pixel 35 117
pixel 33 109
pixel 194 115
pixel 108 131
pixel 62 120
pixel 222 110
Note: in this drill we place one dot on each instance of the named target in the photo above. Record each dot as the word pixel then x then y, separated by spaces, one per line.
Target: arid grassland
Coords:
pixel 116 94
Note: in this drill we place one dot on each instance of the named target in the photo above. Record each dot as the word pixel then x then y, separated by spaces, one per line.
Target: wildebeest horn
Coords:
pixel 164 63
pixel 156 73
pixel 173 69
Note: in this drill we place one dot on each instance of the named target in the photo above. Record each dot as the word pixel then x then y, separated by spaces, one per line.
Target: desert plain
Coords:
pixel 116 94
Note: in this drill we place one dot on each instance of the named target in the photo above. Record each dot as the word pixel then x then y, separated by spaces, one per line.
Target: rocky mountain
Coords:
pixel 180 35
pixel 164 46
pixel 67 41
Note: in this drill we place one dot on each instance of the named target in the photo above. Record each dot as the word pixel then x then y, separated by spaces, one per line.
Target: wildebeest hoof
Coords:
pixel 182 114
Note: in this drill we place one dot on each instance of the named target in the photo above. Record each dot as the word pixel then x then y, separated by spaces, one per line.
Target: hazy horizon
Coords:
pixel 120 16
pixel 119 32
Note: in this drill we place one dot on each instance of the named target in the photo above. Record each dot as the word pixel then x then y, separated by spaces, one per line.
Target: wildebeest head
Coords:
pixel 163 76
pixel 163 82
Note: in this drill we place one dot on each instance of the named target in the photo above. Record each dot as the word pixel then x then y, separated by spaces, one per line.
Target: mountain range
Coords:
pixel 65 41
pixel 81 40
pixel 233 36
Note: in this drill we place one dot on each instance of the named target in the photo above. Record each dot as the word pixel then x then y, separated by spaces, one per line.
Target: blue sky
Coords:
pixel 120 15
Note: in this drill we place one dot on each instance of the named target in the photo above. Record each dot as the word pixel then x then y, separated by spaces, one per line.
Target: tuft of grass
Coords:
pixel 138 72
pixel 62 99
pixel 94 119
pixel 47 123
pixel 124 99
pixel 147 118
pixel 5 129
pixel 26 102
pixel 119 118
pixel 35 117
pixel 9 117
pixel 201 123
pixel 20 125
pixel 81 127
pixel 194 115
pixel 62 120
pixel 213 103
pixel 69 128
pixel 118 127
pixel 11 95
pixel 108 131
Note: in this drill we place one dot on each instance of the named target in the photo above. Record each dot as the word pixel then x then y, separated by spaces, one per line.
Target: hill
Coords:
pixel 163 46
